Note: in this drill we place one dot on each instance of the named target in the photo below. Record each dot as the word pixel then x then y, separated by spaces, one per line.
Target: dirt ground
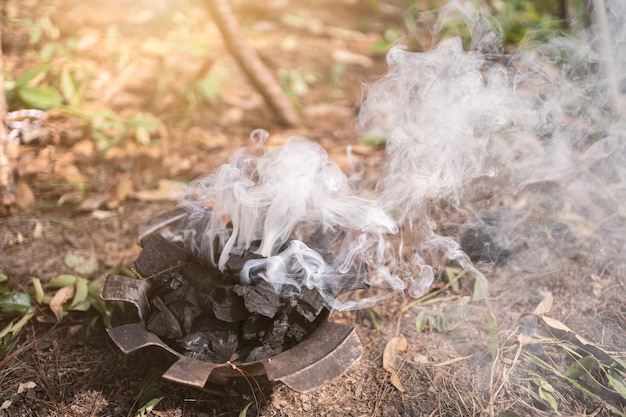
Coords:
pixel 92 197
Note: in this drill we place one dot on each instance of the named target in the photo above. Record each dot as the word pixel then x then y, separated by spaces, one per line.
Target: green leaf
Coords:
pixel 549 398
pixel 453 275
pixel 15 302
pixel 39 293
pixel 480 288
pixel 68 88
pixel 29 75
pixel 40 97
pixel 94 287
pixel 80 264
pixel 545 392
pixel 374 141
pixel 150 397
pixel 381 46
pixel 374 317
pixel 82 306
pixel 8 335
pixel 616 381
pixel 80 295
pixel 494 341
pixel 580 368
pixel 147 408
pixel 61 281
pixel 244 412
pixel 421 321
pixel 88 329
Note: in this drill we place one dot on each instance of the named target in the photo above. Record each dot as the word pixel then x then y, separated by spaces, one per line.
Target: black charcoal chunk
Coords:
pixel 159 255
pixel 214 342
pixel 228 306
pixel 310 304
pixel 183 303
pixel 477 241
pixel 162 321
pixel 296 332
pixel 261 352
pixel 185 312
pixel 276 337
pixel 260 298
pixel 163 284
pixel 235 262
pixel 255 328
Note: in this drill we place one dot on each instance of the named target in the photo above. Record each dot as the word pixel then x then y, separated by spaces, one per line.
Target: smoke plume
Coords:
pixel 538 134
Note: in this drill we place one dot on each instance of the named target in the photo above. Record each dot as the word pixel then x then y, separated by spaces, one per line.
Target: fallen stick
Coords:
pixel 250 63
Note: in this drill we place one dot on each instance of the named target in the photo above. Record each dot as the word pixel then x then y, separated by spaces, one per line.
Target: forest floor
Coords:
pixel 145 62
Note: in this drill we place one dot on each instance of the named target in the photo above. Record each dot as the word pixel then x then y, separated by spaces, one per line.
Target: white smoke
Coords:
pixel 462 124
pixel 280 202
pixel 458 124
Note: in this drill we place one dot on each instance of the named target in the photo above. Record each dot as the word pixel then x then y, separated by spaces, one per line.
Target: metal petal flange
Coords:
pixel 323 355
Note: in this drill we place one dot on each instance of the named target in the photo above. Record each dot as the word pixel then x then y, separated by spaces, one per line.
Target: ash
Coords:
pixel 206 314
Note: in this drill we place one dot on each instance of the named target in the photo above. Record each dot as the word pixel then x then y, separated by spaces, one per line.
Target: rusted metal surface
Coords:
pixel 328 350
pixel 324 355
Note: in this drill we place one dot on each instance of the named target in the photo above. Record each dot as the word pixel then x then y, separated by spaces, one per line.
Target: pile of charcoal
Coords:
pixel 207 314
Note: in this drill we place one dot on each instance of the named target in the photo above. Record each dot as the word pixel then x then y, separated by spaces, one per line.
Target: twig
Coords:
pixel 250 63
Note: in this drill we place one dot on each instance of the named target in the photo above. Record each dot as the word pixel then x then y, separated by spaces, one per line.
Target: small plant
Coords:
pixel 63 295
pixel 149 398
pixel 296 83
pixel 594 372
pixel 522 18
pixel 16 310
pixel 110 129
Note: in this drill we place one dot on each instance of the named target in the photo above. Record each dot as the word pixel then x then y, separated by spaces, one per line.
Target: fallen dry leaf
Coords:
pixel 123 189
pixel 72 174
pixel 23 386
pixel 346 57
pixel 94 202
pixel 166 190
pixel 24 196
pixel 391 359
pixel 38 230
pixel 61 297
pixel 545 305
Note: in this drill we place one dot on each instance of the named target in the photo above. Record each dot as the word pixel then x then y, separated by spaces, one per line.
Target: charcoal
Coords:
pixel 181 299
pixel 235 262
pixel 207 314
pixel 185 313
pixel 261 352
pixel 296 332
pixel 477 241
pixel 228 306
pixel 163 284
pixel 184 293
pixel 159 255
pixel 276 337
pixel 255 328
pixel 214 342
pixel 310 304
pixel 204 280
pixel 260 298
pixel 162 321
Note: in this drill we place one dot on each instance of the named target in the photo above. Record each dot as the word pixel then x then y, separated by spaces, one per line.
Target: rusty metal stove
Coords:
pixel 326 353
